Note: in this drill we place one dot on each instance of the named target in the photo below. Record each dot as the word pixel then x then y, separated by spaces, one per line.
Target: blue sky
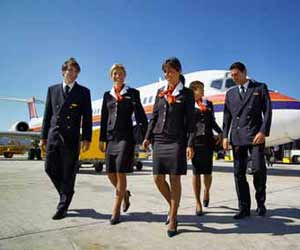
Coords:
pixel 37 36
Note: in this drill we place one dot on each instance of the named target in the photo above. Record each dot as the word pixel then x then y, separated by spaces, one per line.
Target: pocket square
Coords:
pixel 127 97
pixel 255 93
pixel 178 101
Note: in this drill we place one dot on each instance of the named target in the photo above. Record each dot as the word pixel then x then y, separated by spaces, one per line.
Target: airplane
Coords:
pixel 284 128
pixel 20 138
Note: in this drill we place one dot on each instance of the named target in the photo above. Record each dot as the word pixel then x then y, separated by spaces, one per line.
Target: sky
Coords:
pixel 37 36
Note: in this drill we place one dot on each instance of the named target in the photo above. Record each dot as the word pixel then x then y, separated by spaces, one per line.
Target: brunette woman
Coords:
pixel 204 144
pixel 171 132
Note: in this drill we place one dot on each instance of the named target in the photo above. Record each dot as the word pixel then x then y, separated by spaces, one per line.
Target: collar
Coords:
pixel 177 89
pixel 71 85
pixel 204 101
pixel 123 91
pixel 245 86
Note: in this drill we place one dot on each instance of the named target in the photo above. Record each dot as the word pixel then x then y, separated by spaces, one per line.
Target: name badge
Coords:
pixel 73 105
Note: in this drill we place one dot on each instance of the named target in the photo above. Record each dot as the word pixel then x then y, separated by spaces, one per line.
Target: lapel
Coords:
pixel 248 94
pixel 61 95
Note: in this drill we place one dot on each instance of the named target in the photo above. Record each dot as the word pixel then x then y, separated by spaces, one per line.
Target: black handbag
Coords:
pixel 138 130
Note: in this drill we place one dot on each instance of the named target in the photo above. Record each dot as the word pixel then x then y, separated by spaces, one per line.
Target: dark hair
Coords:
pixel 174 63
pixel 238 65
pixel 70 62
pixel 196 84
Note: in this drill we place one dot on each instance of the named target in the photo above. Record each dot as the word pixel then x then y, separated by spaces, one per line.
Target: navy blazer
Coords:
pixel 175 120
pixel 248 116
pixel 116 117
pixel 206 122
pixel 63 115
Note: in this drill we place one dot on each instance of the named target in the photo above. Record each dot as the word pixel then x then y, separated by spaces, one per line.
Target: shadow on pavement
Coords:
pixel 277 221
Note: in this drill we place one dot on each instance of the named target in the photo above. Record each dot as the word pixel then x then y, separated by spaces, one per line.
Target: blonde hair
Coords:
pixel 196 85
pixel 117 66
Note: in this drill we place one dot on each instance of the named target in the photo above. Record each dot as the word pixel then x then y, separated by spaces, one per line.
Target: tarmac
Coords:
pixel 28 200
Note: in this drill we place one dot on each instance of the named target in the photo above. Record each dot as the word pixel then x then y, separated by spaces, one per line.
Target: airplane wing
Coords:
pixel 21 135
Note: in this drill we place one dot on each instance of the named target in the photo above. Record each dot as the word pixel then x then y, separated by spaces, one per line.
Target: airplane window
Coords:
pixel 145 100
pixel 229 83
pixel 150 99
pixel 217 84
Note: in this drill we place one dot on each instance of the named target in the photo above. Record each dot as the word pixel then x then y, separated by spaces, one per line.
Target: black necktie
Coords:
pixel 242 92
pixel 67 90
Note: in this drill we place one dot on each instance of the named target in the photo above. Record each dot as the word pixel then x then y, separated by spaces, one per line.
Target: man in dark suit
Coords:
pixel 68 107
pixel 248 114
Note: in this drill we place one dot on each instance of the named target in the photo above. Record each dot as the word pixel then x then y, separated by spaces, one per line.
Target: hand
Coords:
pixel 225 144
pixel 85 145
pixel 102 146
pixel 43 144
pixel 146 144
pixel 218 139
pixel 260 138
pixel 189 153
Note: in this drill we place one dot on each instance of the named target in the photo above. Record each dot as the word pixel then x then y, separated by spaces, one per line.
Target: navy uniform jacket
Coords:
pixel 206 122
pixel 63 116
pixel 116 117
pixel 175 120
pixel 248 116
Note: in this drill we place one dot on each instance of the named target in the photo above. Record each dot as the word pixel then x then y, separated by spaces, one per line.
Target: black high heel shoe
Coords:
pixel 199 212
pixel 172 233
pixel 205 203
pixel 115 221
pixel 126 203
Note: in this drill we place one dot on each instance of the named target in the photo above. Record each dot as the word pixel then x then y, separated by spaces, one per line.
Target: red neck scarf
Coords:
pixel 201 106
pixel 118 89
pixel 168 93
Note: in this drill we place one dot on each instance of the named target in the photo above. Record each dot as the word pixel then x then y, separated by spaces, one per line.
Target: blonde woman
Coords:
pixel 117 132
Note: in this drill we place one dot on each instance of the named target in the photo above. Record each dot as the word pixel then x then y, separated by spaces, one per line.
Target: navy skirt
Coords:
pixel 119 156
pixel 169 156
pixel 203 158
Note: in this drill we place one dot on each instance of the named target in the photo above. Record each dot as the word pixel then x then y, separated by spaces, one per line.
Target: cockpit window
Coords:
pixel 217 84
pixel 229 83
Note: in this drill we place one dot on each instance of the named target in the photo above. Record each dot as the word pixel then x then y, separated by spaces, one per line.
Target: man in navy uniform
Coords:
pixel 248 114
pixel 68 107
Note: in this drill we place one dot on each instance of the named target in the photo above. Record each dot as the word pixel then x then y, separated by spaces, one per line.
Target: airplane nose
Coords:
pixel 285 120
pixel 292 124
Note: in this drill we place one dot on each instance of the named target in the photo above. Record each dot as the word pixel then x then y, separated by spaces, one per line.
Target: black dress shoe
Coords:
pixel 172 233
pixel 115 221
pixel 205 203
pixel 261 211
pixel 241 215
pixel 126 203
pixel 60 214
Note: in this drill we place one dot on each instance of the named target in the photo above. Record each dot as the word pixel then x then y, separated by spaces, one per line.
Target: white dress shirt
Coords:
pixel 245 85
pixel 71 85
